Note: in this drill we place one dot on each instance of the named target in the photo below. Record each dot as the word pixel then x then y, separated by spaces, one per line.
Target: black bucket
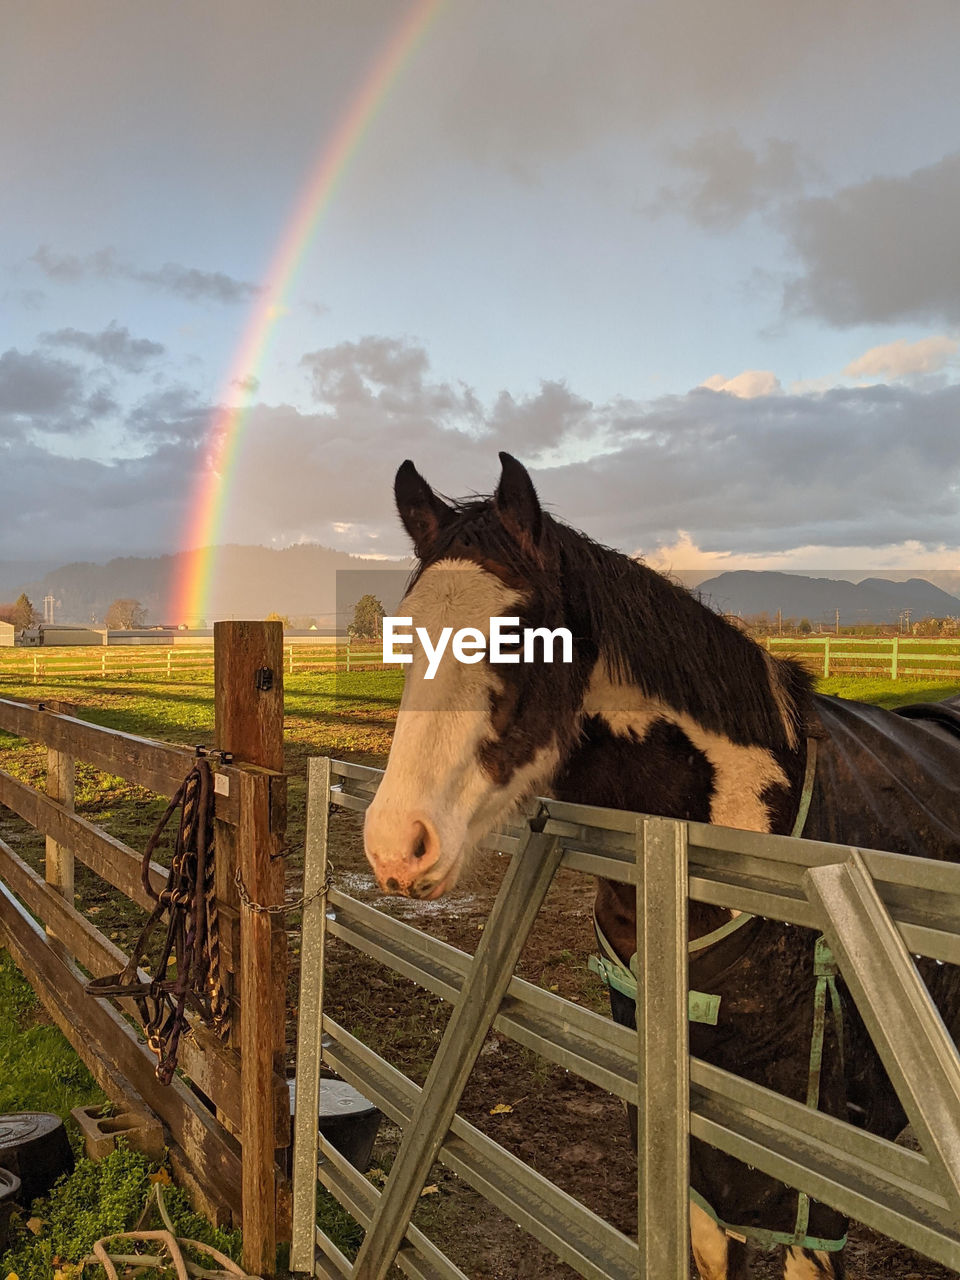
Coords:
pixel 9 1194
pixel 347 1120
pixel 34 1145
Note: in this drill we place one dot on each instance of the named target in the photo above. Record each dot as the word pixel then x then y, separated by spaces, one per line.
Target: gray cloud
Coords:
pixel 113 345
pixel 880 250
pixel 74 507
pixel 38 386
pixel 185 282
pixel 173 415
pixel 378 376
pixel 571 73
pixel 862 466
pixel 729 180
pixel 760 474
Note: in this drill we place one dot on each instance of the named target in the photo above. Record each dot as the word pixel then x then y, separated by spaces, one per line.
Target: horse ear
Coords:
pixel 517 504
pixel 423 514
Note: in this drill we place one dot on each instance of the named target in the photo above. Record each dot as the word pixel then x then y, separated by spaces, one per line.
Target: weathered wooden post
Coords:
pixel 894 655
pixel 61 779
pixel 248 680
pixel 826 657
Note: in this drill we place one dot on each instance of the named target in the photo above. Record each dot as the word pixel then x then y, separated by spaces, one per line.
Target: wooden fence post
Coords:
pixel 893 657
pixel 248 681
pixel 826 657
pixel 61 779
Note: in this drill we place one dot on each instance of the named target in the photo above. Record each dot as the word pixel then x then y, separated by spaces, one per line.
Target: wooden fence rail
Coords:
pixel 227 1111
pixel 44 665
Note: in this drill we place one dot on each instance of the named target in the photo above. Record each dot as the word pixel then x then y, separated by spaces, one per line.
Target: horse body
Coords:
pixel 667 709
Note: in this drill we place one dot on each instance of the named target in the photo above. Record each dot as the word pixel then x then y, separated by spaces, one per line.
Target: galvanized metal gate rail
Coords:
pixel 875 908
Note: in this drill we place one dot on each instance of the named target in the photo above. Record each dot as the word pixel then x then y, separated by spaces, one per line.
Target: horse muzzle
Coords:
pixel 405 855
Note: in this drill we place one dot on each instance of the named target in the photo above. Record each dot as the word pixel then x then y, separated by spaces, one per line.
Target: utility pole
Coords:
pixel 779 622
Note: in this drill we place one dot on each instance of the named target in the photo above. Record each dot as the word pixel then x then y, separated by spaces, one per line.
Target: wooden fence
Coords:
pixel 899 657
pixel 875 909
pixel 50 665
pixel 227 1111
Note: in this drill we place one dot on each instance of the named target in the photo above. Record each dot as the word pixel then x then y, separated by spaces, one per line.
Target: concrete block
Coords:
pixel 141 1130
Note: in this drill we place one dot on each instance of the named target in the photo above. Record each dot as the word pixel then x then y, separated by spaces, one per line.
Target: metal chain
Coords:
pixel 281 908
pixel 298 904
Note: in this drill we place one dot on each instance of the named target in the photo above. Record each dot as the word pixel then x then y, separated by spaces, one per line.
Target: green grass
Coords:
pixel 39 1071
pixel 889 693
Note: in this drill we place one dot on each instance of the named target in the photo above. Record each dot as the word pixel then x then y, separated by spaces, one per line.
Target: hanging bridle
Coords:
pixel 193 935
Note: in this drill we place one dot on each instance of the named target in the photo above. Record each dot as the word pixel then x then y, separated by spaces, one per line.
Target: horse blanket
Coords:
pixel 885 781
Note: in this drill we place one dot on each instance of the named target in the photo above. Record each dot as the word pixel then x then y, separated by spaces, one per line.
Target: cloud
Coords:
pixel 729 180
pixel 897 359
pixel 39 387
pixel 185 282
pixel 631 71
pixel 113 345
pixel 747 385
pixel 851 466
pixel 174 415
pixel 76 508
pixel 867 466
pixel 881 250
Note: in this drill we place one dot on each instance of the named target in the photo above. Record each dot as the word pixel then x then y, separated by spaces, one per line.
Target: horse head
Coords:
pixel 474 737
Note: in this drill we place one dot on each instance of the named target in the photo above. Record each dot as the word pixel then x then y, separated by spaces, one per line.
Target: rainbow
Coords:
pixel 191 589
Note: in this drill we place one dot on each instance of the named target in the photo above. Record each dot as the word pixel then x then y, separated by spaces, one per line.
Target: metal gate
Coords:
pixel 875 909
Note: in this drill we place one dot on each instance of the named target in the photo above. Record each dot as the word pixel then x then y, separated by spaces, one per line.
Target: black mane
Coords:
pixel 650 632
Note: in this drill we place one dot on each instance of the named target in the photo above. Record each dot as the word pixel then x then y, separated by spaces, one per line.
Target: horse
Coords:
pixel 664 708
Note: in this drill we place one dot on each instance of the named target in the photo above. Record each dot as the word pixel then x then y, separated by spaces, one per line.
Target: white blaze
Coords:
pixel 434 776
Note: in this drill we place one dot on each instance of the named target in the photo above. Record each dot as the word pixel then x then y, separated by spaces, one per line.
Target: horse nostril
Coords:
pixel 392 885
pixel 420 845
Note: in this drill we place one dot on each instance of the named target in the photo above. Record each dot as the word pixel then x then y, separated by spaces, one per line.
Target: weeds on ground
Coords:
pixel 98 1199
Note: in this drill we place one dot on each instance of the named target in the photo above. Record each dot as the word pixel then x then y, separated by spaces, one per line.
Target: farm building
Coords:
pixel 64 634
pixel 6 635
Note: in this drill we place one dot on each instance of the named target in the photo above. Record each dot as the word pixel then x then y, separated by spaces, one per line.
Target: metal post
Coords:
pixel 310 1015
pixel 906 1027
pixel 663 1092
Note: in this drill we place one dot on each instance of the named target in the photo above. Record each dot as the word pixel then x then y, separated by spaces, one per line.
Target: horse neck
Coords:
pixel 681 714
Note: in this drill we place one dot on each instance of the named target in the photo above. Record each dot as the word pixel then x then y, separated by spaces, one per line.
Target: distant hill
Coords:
pixel 249 582
pixel 874 600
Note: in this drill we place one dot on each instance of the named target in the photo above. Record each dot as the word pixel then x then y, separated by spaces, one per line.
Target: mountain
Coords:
pixel 874 600
pixel 306 581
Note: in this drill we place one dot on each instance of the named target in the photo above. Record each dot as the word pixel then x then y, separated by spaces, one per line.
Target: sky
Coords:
pixel 694 263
